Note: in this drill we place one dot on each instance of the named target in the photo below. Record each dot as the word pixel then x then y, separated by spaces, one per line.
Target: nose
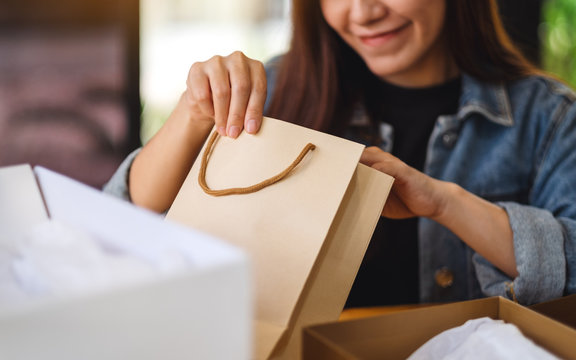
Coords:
pixel 367 11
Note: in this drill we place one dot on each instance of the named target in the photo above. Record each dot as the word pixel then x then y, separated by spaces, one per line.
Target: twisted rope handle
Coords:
pixel 248 189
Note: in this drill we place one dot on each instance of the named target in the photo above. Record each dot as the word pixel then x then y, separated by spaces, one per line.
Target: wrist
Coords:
pixel 451 194
pixel 184 117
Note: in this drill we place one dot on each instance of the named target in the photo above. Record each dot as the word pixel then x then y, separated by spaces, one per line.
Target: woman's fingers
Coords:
pixel 373 154
pixel 219 77
pixel 383 161
pixel 253 117
pixel 413 193
pixel 241 88
pixel 229 90
pixel 198 91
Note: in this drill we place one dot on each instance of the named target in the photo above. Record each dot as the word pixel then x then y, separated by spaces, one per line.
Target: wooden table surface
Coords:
pixel 358 313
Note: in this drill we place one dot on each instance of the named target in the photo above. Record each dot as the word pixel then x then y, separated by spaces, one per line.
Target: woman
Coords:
pixel 480 143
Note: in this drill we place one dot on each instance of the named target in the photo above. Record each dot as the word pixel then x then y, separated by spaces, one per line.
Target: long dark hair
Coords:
pixel 321 79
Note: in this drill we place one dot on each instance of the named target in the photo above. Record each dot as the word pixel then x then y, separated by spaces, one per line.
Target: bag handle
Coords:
pixel 249 189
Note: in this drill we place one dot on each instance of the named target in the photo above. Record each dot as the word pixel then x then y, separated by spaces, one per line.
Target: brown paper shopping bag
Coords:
pixel 306 233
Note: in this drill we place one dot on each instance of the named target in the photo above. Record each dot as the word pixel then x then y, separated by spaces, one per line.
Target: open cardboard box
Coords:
pixel 203 311
pixel 398 335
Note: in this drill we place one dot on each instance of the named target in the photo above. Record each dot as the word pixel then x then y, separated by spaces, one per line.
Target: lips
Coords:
pixel 382 37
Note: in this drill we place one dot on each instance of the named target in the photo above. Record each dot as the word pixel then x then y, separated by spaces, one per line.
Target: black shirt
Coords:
pixel 389 272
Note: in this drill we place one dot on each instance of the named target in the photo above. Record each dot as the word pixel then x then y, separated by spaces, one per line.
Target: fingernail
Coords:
pixel 221 130
pixel 251 126
pixel 234 131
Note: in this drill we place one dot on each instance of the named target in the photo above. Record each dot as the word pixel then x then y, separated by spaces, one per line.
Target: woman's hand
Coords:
pixel 228 91
pixel 484 226
pixel 413 193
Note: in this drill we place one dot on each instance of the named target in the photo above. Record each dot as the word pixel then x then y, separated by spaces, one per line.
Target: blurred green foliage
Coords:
pixel 558 35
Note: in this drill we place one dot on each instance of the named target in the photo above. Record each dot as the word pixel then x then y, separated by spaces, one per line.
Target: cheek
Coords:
pixel 426 15
pixel 430 19
pixel 434 7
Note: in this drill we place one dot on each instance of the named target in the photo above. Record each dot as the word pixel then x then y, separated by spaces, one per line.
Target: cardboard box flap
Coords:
pixel 21 200
pixel 562 309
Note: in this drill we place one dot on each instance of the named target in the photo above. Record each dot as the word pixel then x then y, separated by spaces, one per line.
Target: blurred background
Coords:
pixel 84 82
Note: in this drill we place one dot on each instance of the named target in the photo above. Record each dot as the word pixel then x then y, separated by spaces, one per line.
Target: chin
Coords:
pixel 384 71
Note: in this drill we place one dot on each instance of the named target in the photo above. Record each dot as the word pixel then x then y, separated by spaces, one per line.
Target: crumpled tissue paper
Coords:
pixel 55 259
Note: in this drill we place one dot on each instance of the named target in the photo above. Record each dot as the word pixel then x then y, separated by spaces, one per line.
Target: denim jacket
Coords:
pixel 512 144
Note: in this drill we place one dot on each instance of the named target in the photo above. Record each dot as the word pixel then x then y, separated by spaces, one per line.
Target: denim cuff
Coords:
pixel 540 258
pixel 118 184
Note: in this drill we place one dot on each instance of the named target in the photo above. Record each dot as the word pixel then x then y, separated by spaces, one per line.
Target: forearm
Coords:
pixel 485 227
pixel 164 162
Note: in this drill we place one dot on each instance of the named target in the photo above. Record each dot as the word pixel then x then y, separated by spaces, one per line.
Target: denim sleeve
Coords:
pixel 545 229
pixel 118 183
pixel 539 248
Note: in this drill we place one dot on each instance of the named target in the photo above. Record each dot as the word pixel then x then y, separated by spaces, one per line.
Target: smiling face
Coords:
pixel 399 40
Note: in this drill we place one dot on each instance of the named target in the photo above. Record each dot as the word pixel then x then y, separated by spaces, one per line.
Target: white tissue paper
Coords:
pixel 482 338
pixel 55 259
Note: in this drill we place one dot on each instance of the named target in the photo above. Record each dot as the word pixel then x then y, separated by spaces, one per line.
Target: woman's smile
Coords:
pixel 382 38
pixel 401 41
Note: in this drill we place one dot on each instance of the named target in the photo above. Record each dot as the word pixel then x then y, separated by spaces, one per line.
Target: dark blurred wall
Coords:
pixel 69 85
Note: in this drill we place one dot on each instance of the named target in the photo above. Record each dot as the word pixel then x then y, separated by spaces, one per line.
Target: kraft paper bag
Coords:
pixel 306 233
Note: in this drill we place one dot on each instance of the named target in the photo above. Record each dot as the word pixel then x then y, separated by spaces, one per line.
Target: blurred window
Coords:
pixel 177 33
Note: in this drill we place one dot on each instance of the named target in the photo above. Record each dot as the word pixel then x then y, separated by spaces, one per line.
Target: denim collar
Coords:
pixel 489 100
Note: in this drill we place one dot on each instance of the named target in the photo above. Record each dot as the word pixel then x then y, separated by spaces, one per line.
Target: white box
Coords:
pixel 202 312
